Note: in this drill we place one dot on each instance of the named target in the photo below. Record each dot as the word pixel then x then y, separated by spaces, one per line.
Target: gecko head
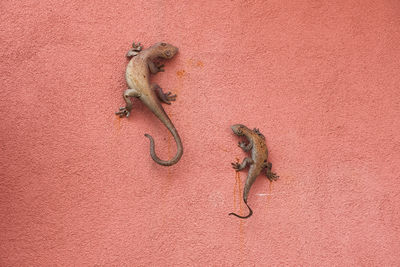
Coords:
pixel 166 50
pixel 238 129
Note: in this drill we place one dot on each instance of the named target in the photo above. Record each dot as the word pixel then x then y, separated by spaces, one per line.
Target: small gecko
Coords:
pixel 137 75
pixel 258 161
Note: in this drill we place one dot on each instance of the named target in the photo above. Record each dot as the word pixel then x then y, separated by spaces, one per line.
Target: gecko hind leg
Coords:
pixel 164 97
pixel 241 166
pixel 270 175
pixel 126 111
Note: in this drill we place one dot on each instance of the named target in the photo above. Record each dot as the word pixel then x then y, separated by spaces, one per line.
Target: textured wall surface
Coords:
pixel 319 78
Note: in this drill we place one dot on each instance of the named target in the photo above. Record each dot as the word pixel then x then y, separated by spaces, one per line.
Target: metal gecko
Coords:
pixel 258 161
pixel 142 64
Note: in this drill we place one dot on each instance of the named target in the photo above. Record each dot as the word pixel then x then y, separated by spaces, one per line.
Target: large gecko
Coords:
pixel 258 161
pixel 142 64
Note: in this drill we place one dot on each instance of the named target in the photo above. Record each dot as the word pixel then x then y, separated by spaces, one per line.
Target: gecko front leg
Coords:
pixel 164 97
pixel 239 167
pixel 244 146
pixel 155 67
pixel 126 111
pixel 135 50
pixel 257 131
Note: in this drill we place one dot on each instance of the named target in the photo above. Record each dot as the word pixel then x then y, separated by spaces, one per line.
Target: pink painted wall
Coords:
pixel 319 78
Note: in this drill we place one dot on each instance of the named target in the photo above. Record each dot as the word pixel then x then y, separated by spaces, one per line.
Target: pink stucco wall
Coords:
pixel 319 78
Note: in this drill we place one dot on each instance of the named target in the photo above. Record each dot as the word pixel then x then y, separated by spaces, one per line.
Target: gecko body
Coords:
pixel 257 163
pixel 141 65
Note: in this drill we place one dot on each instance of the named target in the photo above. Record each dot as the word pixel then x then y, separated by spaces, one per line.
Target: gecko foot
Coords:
pixel 134 51
pixel 272 176
pixel 138 47
pixel 159 66
pixel 168 97
pixel 236 166
pixel 242 144
pixel 123 111
pixel 164 97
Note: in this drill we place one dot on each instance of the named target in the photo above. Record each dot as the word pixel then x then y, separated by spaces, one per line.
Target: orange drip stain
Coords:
pixel 269 191
pixel 117 123
pixel 180 75
pixel 234 193
pixel 237 201
pixel 241 224
pixel 240 195
pixel 236 190
pixel 170 140
pixel 169 146
pixel 269 197
pixel 166 183
pixel 224 149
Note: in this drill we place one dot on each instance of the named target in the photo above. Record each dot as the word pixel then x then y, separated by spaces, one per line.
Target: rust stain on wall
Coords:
pixel 181 73
pixel 268 197
pixel 237 201
pixel 225 149
pixel 195 63
pixel 117 123
pixel 166 183
pixel 170 140
pixel 236 190
pixel 269 191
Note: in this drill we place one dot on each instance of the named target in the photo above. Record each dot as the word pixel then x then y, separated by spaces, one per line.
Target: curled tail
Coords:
pixel 179 147
pixel 243 217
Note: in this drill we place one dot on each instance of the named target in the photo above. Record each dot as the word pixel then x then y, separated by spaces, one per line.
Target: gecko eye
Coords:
pixel 163 44
pixel 167 53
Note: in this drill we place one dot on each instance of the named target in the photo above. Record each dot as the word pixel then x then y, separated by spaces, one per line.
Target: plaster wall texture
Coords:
pixel 319 78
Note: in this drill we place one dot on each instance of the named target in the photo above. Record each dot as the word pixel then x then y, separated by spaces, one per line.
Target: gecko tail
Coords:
pixel 243 217
pixel 166 162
